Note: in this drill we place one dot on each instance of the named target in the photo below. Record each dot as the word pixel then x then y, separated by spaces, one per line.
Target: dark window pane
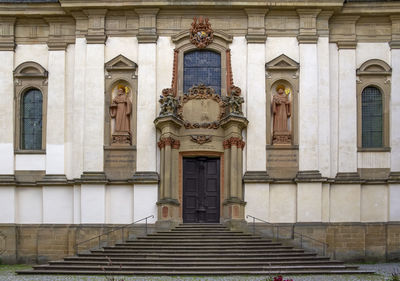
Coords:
pixel 372 117
pixel 202 67
pixel 31 120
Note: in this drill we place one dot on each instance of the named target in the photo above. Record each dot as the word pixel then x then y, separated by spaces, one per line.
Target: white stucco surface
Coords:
pixel 29 207
pixel 146 108
pixel 55 130
pixel 345 203
pixel 257 197
pixel 255 107
pixel 324 107
pixel 77 203
pixel 6 112
pixel 325 205
pixel 58 204
pixel 7 203
pixel 93 202
pixel 374 203
pixel 33 52
pixel 395 111
pixel 93 133
pixel 119 204
pixel 347 151
pixel 239 65
pixel 126 46
pixel 368 51
pixel 309 202
pixel 144 202
pixel 277 46
pixel 394 202
pixel 78 106
pixel 308 105
pixel 165 61
pixel 334 107
pixel 33 162
pixel 282 203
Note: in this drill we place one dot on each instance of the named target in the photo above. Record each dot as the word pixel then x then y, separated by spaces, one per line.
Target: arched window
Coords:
pixel 202 67
pixel 372 117
pixel 31 120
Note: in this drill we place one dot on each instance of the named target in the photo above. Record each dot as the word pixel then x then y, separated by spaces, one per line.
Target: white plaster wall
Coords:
pixel 308 108
pixel 55 113
pixel 324 109
pixel 334 106
pixel 126 46
pixel 144 202
pixel 6 112
pixel 165 61
pixel 282 203
pixel 77 203
pixel 277 46
pixel 255 108
pixel 373 159
pixel 119 207
pixel 239 64
pixel 309 202
pixel 395 111
pixel 347 154
pixel 78 106
pixel 7 203
pixel 325 202
pixel 93 133
pixel 146 154
pixel 345 203
pixel 58 204
pixel 257 197
pixel 33 162
pixel 36 52
pixel 69 111
pixel 29 206
pixel 93 202
pixel 368 51
pixel 394 202
pixel 374 203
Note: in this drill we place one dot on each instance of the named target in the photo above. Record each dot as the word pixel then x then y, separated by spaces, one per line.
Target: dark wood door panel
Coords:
pixel 201 190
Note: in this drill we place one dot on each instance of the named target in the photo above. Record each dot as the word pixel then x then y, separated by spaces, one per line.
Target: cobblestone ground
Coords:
pixel 384 272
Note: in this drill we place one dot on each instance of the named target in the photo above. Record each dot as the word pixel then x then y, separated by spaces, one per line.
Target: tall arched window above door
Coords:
pixel 202 67
pixel 31 120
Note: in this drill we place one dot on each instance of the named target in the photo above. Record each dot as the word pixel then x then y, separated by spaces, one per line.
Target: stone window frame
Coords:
pixel 282 70
pixel 374 73
pixel 219 45
pixel 120 70
pixel 29 75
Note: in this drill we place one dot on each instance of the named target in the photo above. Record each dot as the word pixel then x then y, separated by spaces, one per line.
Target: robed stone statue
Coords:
pixel 121 110
pixel 281 111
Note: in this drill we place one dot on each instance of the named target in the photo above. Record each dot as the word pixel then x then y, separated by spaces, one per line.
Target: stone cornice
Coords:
pixel 7 37
pixel 371 8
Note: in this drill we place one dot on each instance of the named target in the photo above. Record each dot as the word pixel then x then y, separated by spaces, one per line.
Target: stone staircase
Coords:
pixel 196 249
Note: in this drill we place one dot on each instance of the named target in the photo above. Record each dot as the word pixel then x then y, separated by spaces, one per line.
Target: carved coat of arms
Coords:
pixel 201 33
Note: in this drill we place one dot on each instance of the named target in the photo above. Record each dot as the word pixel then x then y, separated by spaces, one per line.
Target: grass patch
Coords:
pixel 14 267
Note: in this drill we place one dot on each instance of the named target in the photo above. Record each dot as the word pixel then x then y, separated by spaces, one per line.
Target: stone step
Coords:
pixel 199 259
pixel 197 251
pixel 204 255
pixel 196 243
pixel 197 247
pixel 198 272
pixel 181 263
pixel 203 239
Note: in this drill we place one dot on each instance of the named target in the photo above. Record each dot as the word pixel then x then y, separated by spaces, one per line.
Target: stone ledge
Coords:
pixel 145 177
pixel 307 39
pixel 309 176
pixel 256 177
pixel 168 201
pixel 234 200
pixel 256 38
pixel 348 178
pixel 58 179
pixel 93 177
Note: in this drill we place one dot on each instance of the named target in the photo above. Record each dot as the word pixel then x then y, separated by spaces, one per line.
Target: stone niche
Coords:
pixel 282 158
pixel 120 147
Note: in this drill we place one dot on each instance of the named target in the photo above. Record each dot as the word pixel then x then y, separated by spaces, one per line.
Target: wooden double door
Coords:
pixel 201 190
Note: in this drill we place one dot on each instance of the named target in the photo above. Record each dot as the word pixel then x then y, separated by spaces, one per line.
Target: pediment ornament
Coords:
pixel 201 33
pixel 282 62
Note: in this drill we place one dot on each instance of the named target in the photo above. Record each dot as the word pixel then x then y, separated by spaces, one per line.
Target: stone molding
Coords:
pixel 233 141
pixel 7 37
pixel 144 177
pixel 308 25
pixel 147 25
pixel 309 176
pixel 348 178
pixel 256 25
pixel 93 177
pixel 56 39
pixel 347 45
pixel 96 26
pixel 256 177
pixel 169 141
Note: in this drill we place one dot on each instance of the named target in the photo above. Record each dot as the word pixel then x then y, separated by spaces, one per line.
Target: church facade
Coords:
pixel 199 112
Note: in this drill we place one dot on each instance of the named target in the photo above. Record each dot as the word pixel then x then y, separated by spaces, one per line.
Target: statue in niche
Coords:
pixel 121 110
pixel 281 111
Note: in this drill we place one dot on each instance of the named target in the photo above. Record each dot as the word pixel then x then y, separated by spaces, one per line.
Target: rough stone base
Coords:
pixel 350 242
pixel 37 244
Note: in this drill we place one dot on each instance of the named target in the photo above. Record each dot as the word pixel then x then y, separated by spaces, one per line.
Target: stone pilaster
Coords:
pixel 147 25
pixel 93 126
pixel 395 100
pixel 256 25
pixel 308 95
pixel 7 100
